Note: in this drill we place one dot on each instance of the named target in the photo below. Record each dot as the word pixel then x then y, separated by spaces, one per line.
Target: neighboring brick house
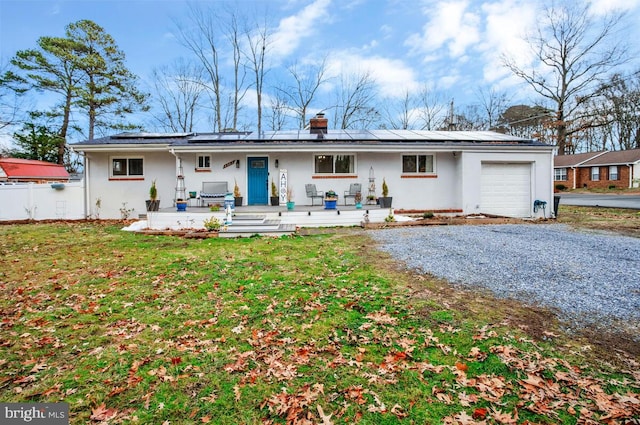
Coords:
pixel 619 169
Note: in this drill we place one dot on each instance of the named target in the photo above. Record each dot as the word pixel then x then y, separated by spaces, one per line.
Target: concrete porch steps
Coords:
pixel 252 226
pixel 264 222
pixel 269 229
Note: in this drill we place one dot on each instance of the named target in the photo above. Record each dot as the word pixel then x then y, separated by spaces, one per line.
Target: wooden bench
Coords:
pixel 213 192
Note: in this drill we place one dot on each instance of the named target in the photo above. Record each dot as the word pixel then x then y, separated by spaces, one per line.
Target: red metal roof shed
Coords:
pixel 28 170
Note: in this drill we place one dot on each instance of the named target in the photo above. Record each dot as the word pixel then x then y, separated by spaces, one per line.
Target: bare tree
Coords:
pixel 527 121
pixel 234 38
pixel 431 106
pixel 617 108
pixel 355 101
pixel 469 119
pixel 492 105
pixel 258 41
pixel 277 114
pixel 178 90
pixel 201 38
pixel 573 54
pixel 400 114
pixel 306 82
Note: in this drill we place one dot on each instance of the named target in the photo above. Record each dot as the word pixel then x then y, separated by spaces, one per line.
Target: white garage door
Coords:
pixel 505 189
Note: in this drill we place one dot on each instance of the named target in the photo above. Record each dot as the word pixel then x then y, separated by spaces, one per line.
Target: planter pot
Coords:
pixel 153 205
pixel 275 201
pixel 385 202
pixel 181 206
pixel 330 204
pixel 358 205
pixel 238 201
pixel 291 205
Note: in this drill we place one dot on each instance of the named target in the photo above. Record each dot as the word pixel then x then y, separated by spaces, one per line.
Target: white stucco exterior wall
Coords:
pixel 454 186
pixel 541 175
pixel 112 193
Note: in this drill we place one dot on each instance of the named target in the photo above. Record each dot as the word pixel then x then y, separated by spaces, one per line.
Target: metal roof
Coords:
pixel 16 168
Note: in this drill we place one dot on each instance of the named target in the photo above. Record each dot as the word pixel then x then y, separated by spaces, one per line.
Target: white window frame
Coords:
pixel 203 156
pixel 595 174
pixel 614 172
pixel 560 174
pixel 417 162
pixel 334 156
pixel 128 174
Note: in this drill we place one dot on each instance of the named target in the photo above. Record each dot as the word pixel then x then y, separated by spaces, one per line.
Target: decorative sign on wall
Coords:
pixel 283 184
pixel 229 164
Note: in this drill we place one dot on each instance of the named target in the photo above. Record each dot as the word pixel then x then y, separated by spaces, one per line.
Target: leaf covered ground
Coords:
pixel 301 330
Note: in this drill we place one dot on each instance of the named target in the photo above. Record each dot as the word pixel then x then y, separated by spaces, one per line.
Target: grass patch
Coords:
pixel 320 329
pixel 618 220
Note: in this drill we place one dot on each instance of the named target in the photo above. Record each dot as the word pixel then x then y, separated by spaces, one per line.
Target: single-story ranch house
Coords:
pixel 460 172
pixel 603 169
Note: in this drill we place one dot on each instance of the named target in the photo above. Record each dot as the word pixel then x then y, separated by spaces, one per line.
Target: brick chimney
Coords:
pixel 318 124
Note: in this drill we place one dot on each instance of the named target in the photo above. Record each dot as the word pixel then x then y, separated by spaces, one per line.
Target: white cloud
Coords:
pixel 602 7
pixel 386 31
pixel 392 76
pixel 293 30
pixel 450 25
pixel 507 22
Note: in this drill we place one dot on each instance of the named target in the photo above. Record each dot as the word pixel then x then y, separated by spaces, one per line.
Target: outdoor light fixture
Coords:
pixel 277 164
pixel 237 163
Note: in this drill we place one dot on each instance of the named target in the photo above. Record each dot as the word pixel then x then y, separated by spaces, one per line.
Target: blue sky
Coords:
pixel 452 45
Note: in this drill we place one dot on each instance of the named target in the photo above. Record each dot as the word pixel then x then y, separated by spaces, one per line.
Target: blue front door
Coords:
pixel 258 175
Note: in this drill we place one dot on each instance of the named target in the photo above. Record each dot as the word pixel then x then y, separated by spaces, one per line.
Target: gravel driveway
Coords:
pixel 590 279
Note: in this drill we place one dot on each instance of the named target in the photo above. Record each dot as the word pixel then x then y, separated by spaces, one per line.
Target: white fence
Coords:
pixel 31 201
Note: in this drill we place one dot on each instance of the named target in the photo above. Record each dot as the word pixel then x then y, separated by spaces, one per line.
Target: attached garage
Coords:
pixel 505 189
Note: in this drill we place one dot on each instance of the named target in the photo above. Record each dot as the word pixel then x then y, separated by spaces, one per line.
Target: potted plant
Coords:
pixel 237 196
pixel 153 204
pixel 385 200
pixel 358 200
pixel 290 203
pixel 330 200
pixel 181 204
pixel 275 199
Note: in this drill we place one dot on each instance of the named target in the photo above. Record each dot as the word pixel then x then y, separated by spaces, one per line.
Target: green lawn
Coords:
pixel 157 329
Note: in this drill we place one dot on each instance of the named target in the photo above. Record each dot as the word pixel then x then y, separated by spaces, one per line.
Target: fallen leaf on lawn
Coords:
pixel 382 318
pixel 38 367
pixel 462 366
pixel 102 413
pixel 326 419
pixel 504 418
pixel 480 413
pixel 399 411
